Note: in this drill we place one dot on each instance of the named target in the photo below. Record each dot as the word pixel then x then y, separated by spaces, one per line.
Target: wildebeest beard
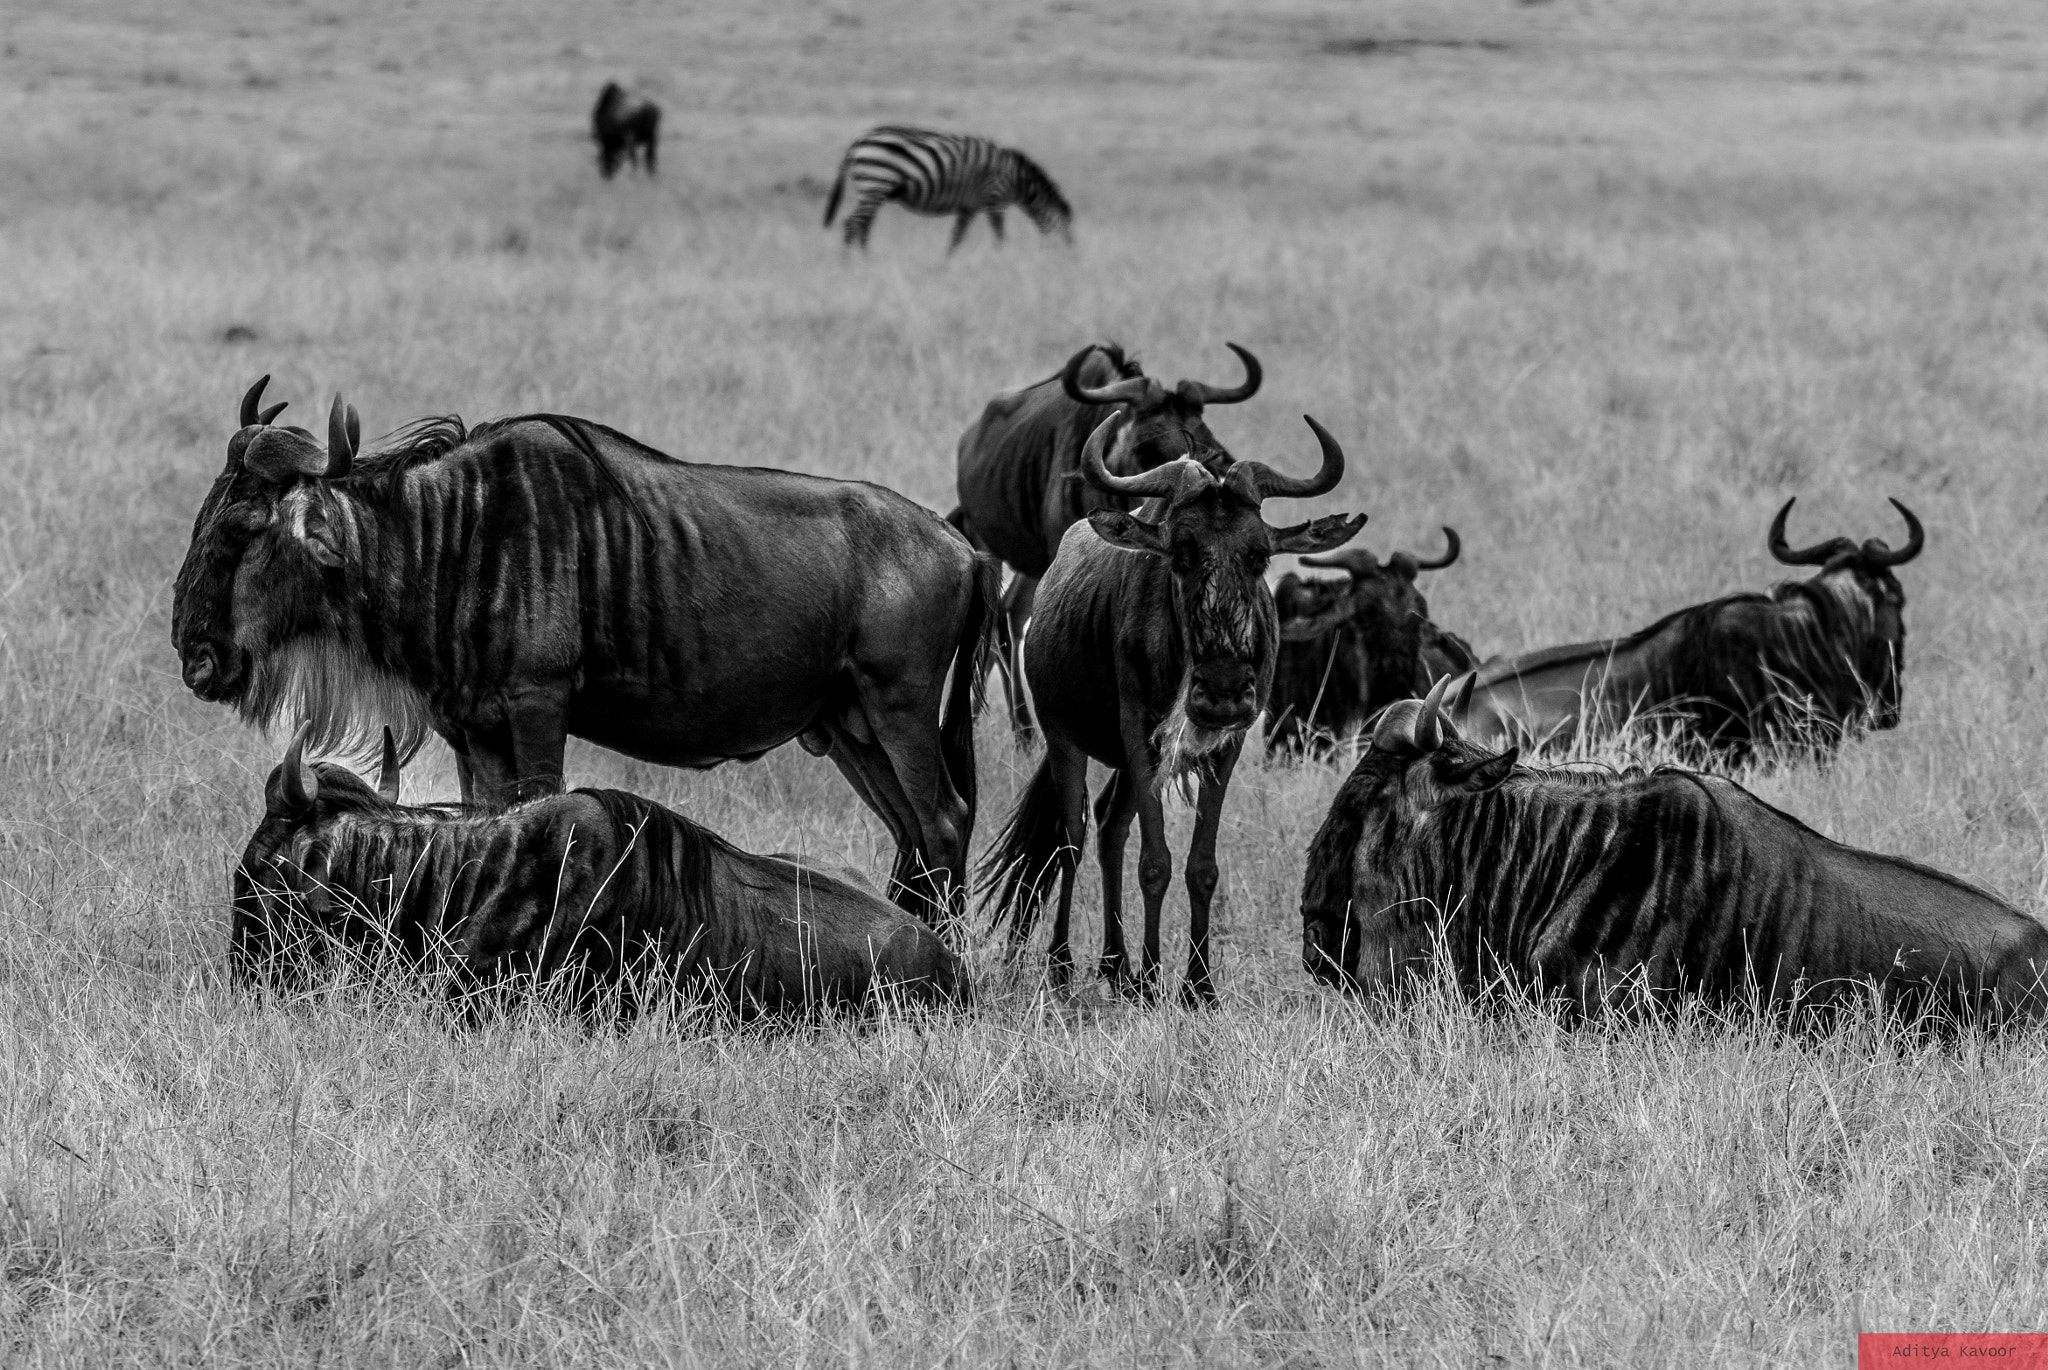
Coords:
pixel 1182 748
pixel 334 686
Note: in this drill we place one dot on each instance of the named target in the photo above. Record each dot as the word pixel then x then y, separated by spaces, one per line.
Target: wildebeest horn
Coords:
pixel 1160 480
pixel 387 769
pixel 1355 562
pixel 301 787
pixel 344 434
pixel 1428 732
pixel 1450 552
pixel 1216 394
pixel 1270 484
pixel 1119 392
pixel 1805 556
pixel 254 418
pixel 1880 554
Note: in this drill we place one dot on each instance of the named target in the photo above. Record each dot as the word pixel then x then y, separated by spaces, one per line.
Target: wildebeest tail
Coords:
pixel 969 687
pixel 1025 857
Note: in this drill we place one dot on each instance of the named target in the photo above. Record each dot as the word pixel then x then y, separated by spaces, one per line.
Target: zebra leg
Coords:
pixel 960 224
pixel 858 221
pixel 995 223
pixel 1198 989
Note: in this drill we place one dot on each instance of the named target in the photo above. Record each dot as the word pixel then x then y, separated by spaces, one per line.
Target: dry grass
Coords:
pixel 1599 286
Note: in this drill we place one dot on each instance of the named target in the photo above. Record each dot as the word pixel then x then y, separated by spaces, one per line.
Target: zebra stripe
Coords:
pixel 943 173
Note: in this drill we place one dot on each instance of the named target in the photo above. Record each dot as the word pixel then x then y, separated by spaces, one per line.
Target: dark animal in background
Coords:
pixel 627 130
pixel 595 894
pixel 1595 885
pixel 1803 666
pixel 1151 652
pixel 1349 648
pixel 532 578
pixel 943 173
pixel 1020 479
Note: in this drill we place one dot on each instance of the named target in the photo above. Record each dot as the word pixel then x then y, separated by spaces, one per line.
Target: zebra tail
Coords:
pixel 838 189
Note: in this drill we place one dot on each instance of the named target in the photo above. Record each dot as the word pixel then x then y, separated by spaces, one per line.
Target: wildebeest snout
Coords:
pixel 1223 695
pixel 204 672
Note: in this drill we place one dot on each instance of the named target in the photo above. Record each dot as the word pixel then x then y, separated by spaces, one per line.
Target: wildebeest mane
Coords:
pixel 670 864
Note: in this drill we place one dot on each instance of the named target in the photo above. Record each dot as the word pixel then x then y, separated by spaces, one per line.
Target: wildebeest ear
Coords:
pixel 317 533
pixel 1477 777
pixel 1318 535
pixel 1127 531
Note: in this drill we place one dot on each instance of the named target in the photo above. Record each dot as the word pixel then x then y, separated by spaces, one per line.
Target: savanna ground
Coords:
pixel 1600 285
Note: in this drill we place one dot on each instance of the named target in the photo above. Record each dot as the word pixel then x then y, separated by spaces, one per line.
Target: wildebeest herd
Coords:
pixel 505 586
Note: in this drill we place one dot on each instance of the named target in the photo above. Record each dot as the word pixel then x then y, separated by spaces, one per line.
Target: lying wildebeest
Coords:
pixel 1592 884
pixel 626 130
pixel 1020 464
pixel 1152 652
pixel 586 892
pixel 1349 648
pixel 540 576
pixel 1804 665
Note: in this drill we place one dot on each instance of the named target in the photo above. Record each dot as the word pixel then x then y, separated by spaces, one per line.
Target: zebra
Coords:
pixel 944 173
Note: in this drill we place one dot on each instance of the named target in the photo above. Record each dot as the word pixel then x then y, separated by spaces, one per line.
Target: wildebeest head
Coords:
pixel 1209 533
pixel 301 794
pixel 1860 580
pixel 265 542
pixel 1163 424
pixel 1416 764
pixel 1377 608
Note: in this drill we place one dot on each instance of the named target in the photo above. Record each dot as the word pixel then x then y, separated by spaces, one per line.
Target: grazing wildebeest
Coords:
pixel 577 891
pixel 1349 648
pixel 1592 884
pixel 1802 666
pixel 944 173
pixel 542 576
pixel 1152 652
pixel 626 129
pixel 1020 464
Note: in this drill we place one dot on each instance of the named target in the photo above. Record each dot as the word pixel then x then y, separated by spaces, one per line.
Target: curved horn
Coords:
pixel 250 418
pixel 344 433
pixel 1216 394
pixel 1916 538
pixel 1355 562
pixel 387 769
pixel 1118 392
pixel 301 788
pixel 1428 733
pixel 1450 553
pixel 1160 480
pixel 1272 485
pixel 1805 556
pixel 267 415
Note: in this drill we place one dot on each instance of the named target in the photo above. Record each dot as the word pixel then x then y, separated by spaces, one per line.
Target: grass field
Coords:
pixel 1600 285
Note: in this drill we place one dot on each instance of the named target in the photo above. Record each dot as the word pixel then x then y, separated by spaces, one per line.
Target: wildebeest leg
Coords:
pixel 901 714
pixel 518 755
pixel 1198 989
pixel 960 223
pixel 1018 597
pixel 995 223
pixel 1115 807
pixel 866 768
pixel 1070 778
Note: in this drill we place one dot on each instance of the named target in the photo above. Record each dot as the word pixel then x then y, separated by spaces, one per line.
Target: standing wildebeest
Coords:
pixel 944 173
pixel 1804 665
pixel 541 576
pixel 577 891
pixel 1152 652
pixel 1349 648
pixel 626 129
pixel 1592 883
pixel 1020 480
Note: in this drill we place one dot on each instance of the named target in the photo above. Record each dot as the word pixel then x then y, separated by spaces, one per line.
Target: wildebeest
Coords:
pixel 1020 479
pixel 1349 648
pixel 944 173
pixel 1802 666
pixel 586 893
pixel 536 577
pixel 1591 884
pixel 1151 652
pixel 626 129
